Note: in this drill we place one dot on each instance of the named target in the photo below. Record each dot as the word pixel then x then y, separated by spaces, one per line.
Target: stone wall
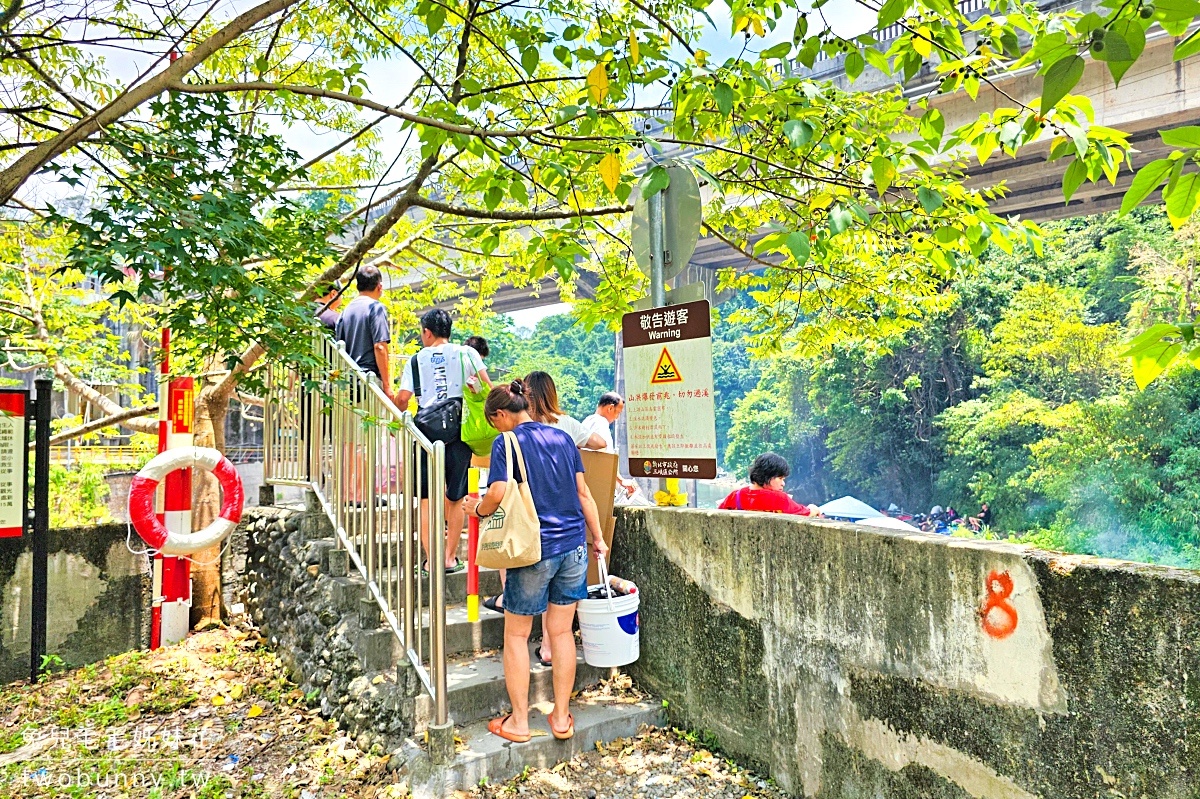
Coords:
pixel 98 597
pixel 856 663
pixel 284 567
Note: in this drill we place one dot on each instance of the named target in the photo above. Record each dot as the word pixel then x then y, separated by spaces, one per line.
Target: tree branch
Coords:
pixel 15 175
pixel 516 216
pixel 122 418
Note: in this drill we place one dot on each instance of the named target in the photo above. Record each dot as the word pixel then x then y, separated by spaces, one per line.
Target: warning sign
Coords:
pixel 669 399
pixel 665 371
pixel 14 455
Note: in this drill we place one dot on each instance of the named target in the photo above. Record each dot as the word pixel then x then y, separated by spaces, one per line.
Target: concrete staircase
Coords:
pixel 477 694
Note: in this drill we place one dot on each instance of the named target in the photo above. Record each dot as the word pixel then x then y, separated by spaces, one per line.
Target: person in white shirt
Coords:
pixel 543 407
pixel 443 368
pixel 609 407
pixel 607 410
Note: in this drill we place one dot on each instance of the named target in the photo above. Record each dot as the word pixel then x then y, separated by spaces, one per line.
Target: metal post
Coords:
pixel 472 545
pixel 658 246
pixel 412 620
pixel 437 571
pixel 41 526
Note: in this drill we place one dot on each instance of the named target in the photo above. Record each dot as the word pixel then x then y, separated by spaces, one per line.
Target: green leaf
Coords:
pixel 1135 37
pixel 563 55
pixel 656 179
pixel 854 64
pixel 1115 48
pixel 1188 47
pixel 932 127
pixel 435 19
pixel 709 178
pixel 891 12
pixel 798 132
pixel 1183 199
pixel 808 53
pixel 797 244
pixel 492 197
pixel 519 192
pixel 839 219
pixel 1147 179
pixel 260 64
pixel 1060 78
pixel 571 33
pixel 1010 44
pixel 877 60
pixel 1186 136
pixel 1073 178
pixel 529 59
pixel 929 199
pixel 1152 352
pixel 883 172
pixel 777 51
pixel 1176 10
pixel 723 95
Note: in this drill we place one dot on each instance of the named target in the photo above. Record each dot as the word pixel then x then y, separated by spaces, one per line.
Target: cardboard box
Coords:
pixel 600 474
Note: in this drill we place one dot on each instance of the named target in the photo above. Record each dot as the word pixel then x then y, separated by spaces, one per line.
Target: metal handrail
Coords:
pixel 332 429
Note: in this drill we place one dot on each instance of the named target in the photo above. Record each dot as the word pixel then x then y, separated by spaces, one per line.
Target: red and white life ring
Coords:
pixel 145 483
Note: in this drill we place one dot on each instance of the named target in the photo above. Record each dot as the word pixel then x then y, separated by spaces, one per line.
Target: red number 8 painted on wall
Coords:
pixel 999 616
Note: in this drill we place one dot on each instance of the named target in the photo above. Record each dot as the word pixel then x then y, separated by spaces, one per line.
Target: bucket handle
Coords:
pixel 604 579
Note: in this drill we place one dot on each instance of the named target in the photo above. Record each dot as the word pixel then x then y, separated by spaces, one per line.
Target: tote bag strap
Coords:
pixel 520 459
pixel 509 438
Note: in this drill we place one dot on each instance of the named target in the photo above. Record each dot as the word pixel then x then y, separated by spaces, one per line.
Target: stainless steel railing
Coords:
pixel 330 428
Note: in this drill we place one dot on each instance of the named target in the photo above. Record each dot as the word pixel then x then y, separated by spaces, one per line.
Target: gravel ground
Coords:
pixel 655 764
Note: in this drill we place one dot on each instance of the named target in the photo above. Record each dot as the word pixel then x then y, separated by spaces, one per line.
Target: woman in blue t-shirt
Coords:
pixel 566 514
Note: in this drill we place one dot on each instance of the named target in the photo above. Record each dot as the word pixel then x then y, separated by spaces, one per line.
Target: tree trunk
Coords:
pixel 211 408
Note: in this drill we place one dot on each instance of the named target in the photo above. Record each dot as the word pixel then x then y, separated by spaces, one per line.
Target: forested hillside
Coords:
pixel 1016 395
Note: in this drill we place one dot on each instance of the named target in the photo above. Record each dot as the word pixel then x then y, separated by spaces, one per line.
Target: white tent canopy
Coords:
pixel 888 523
pixel 849 508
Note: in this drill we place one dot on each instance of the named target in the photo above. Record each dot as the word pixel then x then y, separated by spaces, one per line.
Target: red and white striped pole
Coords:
pixel 171 608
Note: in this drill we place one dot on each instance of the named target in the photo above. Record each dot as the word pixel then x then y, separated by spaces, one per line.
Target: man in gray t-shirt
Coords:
pixel 364 328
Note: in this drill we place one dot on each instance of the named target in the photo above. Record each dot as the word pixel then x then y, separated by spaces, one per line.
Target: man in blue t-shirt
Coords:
pixel 364 328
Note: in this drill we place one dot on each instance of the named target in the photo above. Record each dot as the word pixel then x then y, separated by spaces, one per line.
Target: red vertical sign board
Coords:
pixel 14 463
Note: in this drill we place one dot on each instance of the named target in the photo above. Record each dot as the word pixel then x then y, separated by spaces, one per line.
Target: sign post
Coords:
pixel 40 527
pixel 671 410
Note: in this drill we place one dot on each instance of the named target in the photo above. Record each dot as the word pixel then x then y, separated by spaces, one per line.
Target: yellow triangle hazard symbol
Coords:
pixel 665 370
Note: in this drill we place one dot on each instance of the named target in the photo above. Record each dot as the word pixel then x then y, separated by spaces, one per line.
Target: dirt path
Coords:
pixel 215 717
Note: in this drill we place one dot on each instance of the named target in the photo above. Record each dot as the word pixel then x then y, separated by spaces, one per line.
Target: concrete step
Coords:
pixel 466 637
pixel 477 691
pixel 490 757
pixel 456 586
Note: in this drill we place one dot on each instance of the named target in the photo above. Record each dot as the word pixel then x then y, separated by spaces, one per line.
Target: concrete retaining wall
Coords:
pixel 855 663
pixel 98 597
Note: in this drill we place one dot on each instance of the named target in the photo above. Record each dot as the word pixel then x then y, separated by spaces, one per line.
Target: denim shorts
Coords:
pixel 559 580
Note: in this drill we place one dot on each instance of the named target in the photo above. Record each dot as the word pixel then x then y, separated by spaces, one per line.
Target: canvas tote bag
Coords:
pixel 512 536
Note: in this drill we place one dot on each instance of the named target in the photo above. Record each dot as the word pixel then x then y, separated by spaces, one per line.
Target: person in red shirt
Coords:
pixel 765 493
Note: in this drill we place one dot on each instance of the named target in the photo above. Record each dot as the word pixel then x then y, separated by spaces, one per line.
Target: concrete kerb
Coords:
pixel 370 617
pixel 337 562
pixel 441 743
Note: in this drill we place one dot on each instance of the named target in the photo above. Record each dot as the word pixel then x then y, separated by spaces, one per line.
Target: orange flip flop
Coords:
pixel 567 734
pixel 496 727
